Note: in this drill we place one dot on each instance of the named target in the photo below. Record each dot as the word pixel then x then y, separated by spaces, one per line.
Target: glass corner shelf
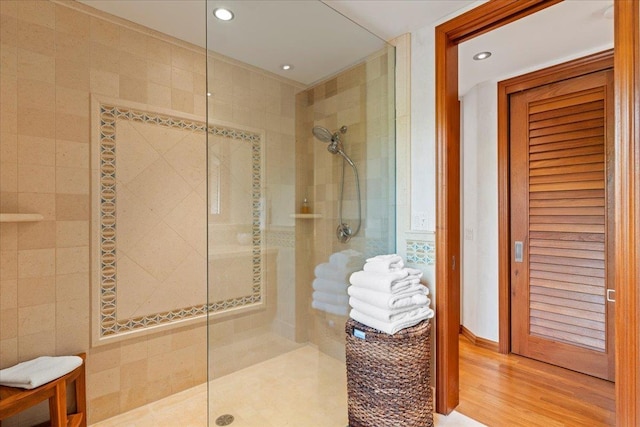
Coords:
pixel 306 216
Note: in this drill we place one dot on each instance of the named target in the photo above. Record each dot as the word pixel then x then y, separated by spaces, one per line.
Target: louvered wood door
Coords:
pixel 561 138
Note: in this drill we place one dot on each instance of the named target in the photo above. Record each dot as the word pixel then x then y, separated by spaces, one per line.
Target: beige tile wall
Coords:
pixel 360 98
pixel 53 56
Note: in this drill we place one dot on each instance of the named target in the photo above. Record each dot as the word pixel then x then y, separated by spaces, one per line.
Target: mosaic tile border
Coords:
pixel 281 238
pixel 109 324
pixel 421 252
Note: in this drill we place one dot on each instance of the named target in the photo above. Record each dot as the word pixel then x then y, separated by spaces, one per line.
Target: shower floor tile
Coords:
pixel 302 388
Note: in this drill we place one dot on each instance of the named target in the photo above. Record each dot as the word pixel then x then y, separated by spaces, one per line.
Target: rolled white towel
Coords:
pixel 348 259
pixel 413 295
pixel 340 310
pixel 393 282
pixel 329 286
pixel 39 371
pixel 387 315
pixel 384 263
pixel 331 272
pixel 331 298
pixel 389 327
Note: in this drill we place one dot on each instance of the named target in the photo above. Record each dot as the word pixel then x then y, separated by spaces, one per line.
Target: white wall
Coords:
pixel 423 146
pixel 479 215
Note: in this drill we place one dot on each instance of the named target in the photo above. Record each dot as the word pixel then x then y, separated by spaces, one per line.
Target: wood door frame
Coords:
pixel 484 18
pixel 627 209
pixel 578 67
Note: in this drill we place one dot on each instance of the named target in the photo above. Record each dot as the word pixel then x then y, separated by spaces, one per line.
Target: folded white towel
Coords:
pixel 384 263
pixel 329 286
pixel 389 327
pixel 387 315
pixel 331 298
pixel 414 272
pixel 393 282
pixel 34 373
pixel 385 258
pixel 331 272
pixel 348 259
pixel 413 295
pixel 340 310
pixel 383 267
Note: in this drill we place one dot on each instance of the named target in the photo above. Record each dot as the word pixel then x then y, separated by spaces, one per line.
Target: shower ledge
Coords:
pixel 305 216
pixel 20 217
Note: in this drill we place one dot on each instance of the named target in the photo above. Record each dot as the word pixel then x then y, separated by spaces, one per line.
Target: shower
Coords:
pixel 344 233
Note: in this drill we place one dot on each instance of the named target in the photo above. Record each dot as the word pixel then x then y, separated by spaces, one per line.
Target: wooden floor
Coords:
pixel 509 390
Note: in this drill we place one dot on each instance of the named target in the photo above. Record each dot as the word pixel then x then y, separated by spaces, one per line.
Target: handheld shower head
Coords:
pixel 322 134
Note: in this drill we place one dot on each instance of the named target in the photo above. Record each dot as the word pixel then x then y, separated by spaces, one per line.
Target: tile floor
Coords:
pixel 301 388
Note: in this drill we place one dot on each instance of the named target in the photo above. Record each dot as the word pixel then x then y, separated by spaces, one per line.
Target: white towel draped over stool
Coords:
pixel 34 373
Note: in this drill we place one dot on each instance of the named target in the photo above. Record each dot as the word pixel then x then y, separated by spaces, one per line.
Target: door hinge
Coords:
pixel 453 262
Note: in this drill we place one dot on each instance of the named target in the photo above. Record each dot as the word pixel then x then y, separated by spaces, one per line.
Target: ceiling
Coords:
pixel 567 30
pixel 319 42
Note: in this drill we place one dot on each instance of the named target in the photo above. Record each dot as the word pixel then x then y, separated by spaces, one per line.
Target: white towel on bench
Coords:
pixel 36 372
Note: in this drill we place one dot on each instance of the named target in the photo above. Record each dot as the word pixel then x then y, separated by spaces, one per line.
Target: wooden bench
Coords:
pixel 15 400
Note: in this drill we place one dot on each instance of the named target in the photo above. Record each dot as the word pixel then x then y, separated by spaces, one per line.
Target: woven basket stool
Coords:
pixel 388 376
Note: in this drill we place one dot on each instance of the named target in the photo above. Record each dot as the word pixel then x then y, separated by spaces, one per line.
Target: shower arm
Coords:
pixel 346 159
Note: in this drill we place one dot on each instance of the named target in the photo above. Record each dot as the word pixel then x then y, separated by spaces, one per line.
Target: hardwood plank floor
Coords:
pixel 509 390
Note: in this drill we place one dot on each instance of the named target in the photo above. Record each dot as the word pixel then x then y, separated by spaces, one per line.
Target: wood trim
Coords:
pixel 586 65
pixel 478 341
pixel 577 67
pixel 504 219
pixel 447 222
pixel 486 17
pixel 627 210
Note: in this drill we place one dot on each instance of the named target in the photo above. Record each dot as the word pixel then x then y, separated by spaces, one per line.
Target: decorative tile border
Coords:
pixel 281 238
pixel 109 325
pixel 421 252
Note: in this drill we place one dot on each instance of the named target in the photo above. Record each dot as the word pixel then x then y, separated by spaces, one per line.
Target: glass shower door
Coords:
pixel 276 357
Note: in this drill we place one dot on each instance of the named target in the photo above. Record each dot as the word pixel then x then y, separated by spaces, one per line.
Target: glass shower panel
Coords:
pixel 276 356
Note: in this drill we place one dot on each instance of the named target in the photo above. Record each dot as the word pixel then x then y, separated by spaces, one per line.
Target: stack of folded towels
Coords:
pixel 332 280
pixel 388 296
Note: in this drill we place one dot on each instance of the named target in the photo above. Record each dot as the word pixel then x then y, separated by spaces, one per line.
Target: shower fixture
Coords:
pixel 344 233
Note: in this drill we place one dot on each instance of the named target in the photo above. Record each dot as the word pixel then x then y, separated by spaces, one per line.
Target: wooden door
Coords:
pixel 561 145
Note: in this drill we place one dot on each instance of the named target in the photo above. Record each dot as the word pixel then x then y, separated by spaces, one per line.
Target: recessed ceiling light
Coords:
pixel 223 14
pixel 481 55
pixel 208 93
pixel 287 67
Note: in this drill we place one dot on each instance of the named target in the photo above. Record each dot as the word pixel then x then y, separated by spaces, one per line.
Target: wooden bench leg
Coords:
pixel 58 405
pixel 81 395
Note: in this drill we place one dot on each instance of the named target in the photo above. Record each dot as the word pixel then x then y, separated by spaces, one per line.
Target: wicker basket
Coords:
pixel 388 376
